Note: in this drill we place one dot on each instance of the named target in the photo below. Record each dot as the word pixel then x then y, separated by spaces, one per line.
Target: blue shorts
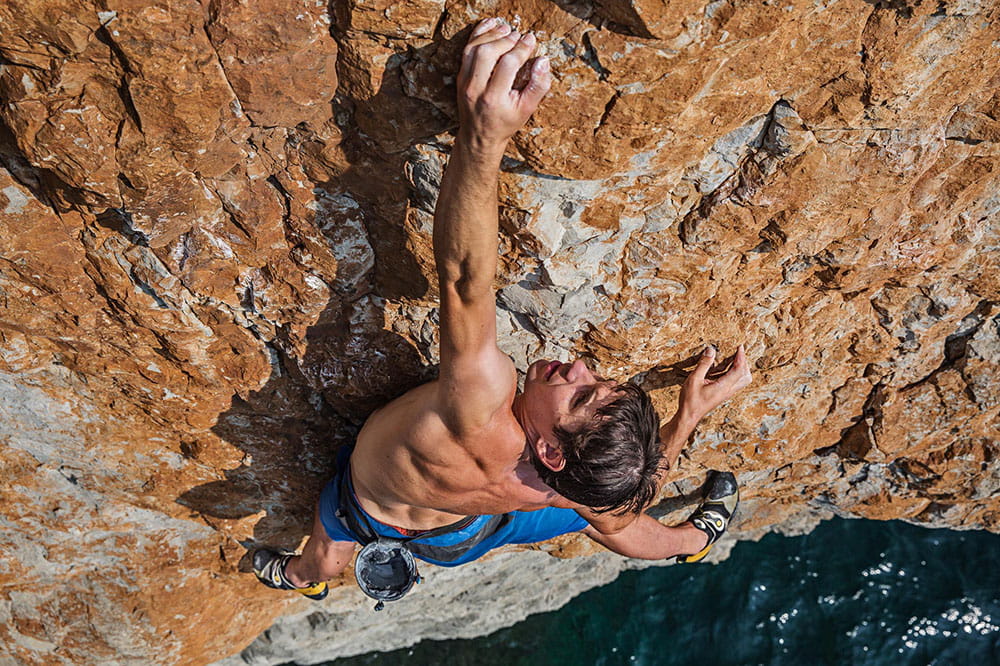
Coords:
pixel 520 526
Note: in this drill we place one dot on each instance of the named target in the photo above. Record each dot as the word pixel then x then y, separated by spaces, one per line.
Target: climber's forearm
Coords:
pixel 465 220
pixel 646 538
pixel 674 434
pixel 490 111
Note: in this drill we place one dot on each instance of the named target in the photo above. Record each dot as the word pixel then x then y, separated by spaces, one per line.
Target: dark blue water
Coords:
pixel 851 592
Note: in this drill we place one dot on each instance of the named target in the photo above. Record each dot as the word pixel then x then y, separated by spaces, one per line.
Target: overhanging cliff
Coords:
pixel 215 260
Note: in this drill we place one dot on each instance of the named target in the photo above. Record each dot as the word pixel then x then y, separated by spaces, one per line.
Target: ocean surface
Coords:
pixel 851 592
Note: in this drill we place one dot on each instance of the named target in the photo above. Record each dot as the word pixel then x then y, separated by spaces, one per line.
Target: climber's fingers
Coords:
pixel 738 376
pixel 510 63
pixel 485 26
pixel 538 86
pixel 705 364
pixel 480 56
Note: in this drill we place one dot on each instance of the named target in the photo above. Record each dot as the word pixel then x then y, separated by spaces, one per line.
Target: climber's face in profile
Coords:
pixel 560 395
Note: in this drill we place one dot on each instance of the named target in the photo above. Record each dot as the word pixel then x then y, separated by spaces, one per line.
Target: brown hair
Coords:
pixel 613 462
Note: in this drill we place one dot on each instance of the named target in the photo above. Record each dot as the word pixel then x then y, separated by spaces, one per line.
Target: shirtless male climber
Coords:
pixel 465 463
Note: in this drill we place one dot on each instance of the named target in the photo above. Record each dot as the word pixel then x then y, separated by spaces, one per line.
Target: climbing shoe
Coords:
pixel 269 565
pixel 716 510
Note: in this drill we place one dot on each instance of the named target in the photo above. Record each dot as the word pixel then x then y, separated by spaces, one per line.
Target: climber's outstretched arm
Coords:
pixel 647 539
pixel 475 377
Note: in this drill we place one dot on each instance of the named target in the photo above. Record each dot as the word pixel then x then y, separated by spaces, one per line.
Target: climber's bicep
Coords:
pixel 475 377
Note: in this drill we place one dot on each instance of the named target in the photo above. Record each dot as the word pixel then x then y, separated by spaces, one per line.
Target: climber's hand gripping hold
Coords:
pixel 490 108
pixel 702 393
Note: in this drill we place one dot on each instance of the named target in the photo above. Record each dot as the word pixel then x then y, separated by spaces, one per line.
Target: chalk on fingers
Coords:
pixel 484 27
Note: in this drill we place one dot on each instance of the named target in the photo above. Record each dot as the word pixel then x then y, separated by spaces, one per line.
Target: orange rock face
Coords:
pixel 215 261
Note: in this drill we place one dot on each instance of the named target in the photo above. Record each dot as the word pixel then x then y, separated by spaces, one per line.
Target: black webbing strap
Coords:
pixel 359 523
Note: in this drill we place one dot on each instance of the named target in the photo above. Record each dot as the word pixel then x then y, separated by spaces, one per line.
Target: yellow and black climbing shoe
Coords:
pixel 722 494
pixel 269 565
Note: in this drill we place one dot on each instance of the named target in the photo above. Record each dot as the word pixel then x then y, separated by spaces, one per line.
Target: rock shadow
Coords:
pixel 322 388
pixel 44 184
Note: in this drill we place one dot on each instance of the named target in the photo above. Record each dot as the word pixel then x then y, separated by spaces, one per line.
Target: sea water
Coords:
pixel 850 592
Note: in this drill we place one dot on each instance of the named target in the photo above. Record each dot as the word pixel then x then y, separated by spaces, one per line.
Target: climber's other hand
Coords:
pixel 700 395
